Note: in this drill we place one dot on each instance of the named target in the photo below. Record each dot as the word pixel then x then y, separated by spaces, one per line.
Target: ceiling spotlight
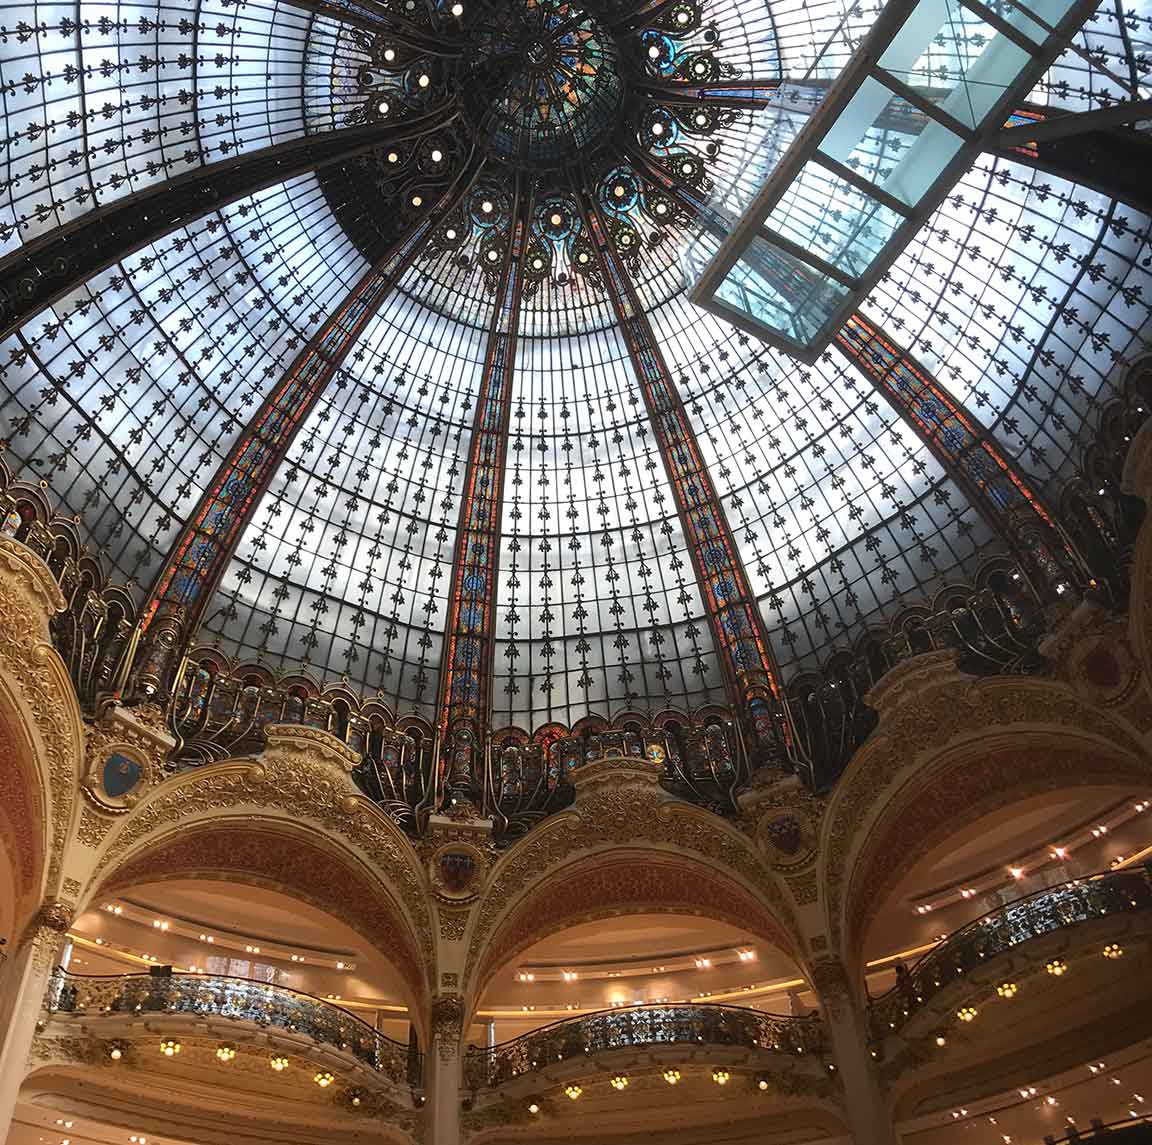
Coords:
pixel 721 1076
pixel 417 201
pixel 573 1091
pixel 654 52
pixel 966 1013
pixel 620 1081
pixel 323 1079
pixel 226 1052
pixel 941 1040
pixel 115 1051
pixel 170 1047
pixel 278 1062
pixel 533 1107
pixel 450 234
pixel 424 81
pixel 556 218
pixel 671 1076
pixel 1113 950
pixel 393 157
pixel 487 208
pixel 356 1097
pixel 1006 989
pixel 762 1084
pixel 382 107
pixel 657 128
pixel 457 10
pixel 389 54
pixel 1056 967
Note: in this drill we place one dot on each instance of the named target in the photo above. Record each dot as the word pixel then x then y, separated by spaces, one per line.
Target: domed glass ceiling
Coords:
pixel 1023 294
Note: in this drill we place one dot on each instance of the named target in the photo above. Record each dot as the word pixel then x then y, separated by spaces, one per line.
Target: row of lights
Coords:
pixel 1055 853
pixel 163 925
pixel 226 1052
pixel 745 954
pixel 621 1081
pixel 1057 967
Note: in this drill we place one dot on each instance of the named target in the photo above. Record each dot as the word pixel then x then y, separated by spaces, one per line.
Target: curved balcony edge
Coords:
pixel 651 1026
pixel 235 999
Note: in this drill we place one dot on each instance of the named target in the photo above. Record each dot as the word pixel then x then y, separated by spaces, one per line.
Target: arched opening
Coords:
pixel 292 860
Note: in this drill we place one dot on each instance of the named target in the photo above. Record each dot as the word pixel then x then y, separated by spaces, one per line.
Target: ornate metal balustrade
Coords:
pixel 994 629
pixel 241 999
pixel 1046 911
pixel 641 1027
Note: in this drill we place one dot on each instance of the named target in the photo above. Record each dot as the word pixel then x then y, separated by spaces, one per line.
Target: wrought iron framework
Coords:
pixel 737 626
pixel 970 947
pixel 240 999
pixel 210 535
pixel 696 1025
pixel 44 270
pixel 970 454
pixel 464 694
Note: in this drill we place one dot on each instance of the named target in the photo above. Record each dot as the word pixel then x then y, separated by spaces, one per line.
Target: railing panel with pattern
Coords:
pixel 242 999
pixel 641 1027
pixel 1046 911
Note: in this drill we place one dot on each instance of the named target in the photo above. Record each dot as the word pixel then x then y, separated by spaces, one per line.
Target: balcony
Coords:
pixel 247 1006
pixel 675 1027
pixel 1073 904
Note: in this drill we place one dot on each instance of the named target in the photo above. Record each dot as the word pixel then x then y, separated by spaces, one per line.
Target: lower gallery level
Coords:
pixel 952 945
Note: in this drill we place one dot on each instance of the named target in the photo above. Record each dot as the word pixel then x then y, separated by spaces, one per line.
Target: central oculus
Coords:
pixel 540 81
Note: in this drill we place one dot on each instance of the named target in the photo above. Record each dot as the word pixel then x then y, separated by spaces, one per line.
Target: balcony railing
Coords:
pixel 1046 911
pixel 641 1027
pixel 241 999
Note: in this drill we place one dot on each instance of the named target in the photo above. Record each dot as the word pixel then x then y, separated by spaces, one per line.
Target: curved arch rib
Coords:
pixel 737 626
pixel 210 535
pixel 42 271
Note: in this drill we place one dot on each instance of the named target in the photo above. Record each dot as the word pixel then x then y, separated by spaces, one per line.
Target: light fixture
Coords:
pixel 356 1097
pixel 278 1062
pixel 703 963
pixel 170 1047
pixel 573 1091
pixel 746 955
pixel 115 1051
pixel 323 1079
pixel 424 81
pixel 533 1107
pixel 1006 989
pixel 966 1013
pixel 941 1040
pixel 1113 950
pixel 226 1052
pixel 671 1076
pixel 457 10
pixel 620 1081
pixel 569 975
pixel 721 1076
pixel 762 1083
pixel 1056 967
pixel 437 155
pixel 382 107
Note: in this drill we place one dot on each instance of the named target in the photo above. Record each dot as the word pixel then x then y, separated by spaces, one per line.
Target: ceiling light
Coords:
pixel 966 1013
pixel 671 1076
pixel 653 52
pixel 941 1040
pixel 1006 989
pixel 437 155
pixel 278 1062
pixel 226 1052
pixel 573 1091
pixel 620 1081
pixel 457 10
pixel 323 1079
pixel 533 1107
pixel 721 1076
pixel 424 81
pixel 382 107
pixel 170 1047
pixel 1056 967
pixel 1113 950
pixel 389 54
pixel 417 201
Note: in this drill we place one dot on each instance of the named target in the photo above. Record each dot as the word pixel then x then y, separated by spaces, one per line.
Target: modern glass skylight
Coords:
pixel 915 103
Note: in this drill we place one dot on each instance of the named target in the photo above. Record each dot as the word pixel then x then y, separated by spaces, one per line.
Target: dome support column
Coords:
pixel 25 983
pixel 211 533
pixel 846 1026
pixel 991 480
pixel 466 681
pixel 734 617
pixel 44 270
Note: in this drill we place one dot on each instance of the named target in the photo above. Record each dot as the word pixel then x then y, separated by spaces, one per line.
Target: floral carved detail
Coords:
pixel 29 596
pixel 22 817
pixel 93 827
pixel 448 1024
pixel 304 776
pixel 452 924
pixel 636 816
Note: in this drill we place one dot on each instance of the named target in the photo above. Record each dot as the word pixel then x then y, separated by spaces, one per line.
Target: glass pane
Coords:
pixel 833 219
pixel 954 59
pixel 776 288
pixel 1048 12
pixel 891 143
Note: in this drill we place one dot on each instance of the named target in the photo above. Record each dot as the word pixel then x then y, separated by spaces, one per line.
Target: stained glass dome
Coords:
pixel 517 449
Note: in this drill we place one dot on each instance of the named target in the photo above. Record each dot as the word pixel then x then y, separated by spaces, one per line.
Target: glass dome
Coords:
pixel 1024 295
